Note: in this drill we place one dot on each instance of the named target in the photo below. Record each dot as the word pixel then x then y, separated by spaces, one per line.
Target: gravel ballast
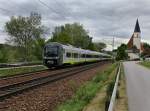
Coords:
pixel 47 97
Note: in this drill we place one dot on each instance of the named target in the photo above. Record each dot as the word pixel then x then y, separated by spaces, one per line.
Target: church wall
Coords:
pixel 137 40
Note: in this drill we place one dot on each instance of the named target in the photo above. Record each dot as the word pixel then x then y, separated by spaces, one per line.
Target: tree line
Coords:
pixel 121 53
pixel 26 38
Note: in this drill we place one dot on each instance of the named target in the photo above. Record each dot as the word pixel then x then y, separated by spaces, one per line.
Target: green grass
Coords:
pixel 85 93
pixel 15 71
pixel 145 63
pixel 122 101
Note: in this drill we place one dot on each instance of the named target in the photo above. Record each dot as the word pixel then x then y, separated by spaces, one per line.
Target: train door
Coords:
pixel 61 51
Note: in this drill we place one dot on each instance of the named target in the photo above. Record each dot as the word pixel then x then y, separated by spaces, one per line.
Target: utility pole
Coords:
pixel 113 41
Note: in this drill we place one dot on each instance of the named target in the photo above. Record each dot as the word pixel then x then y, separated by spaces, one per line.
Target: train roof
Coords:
pixel 70 47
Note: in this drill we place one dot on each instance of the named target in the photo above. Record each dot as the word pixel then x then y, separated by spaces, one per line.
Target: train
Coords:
pixel 56 54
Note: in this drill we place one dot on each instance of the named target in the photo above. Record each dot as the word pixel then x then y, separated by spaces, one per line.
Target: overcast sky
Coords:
pixel 102 18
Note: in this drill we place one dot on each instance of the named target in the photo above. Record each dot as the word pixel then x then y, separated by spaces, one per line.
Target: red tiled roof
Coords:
pixel 142 48
pixel 130 43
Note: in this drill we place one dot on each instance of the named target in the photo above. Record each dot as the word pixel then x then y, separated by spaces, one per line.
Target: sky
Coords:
pixel 103 19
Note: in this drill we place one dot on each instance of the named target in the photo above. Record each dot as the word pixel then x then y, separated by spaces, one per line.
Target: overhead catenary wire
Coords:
pixel 65 12
pixel 6 10
pixel 53 10
pixel 60 5
pixel 26 9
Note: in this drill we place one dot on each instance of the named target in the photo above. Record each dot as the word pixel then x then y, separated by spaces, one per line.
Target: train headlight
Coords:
pixel 50 62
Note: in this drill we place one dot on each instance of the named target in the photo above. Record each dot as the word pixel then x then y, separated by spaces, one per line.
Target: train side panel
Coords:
pixel 70 55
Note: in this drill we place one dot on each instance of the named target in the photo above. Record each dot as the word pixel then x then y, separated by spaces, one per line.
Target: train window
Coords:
pixel 68 54
pixel 75 55
pixel 88 56
pixel 96 56
pixel 51 51
pixel 83 55
pixel 80 55
pixel 101 56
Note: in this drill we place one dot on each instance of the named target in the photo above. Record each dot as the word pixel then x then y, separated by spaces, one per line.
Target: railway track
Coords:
pixel 31 75
pixel 35 72
pixel 11 89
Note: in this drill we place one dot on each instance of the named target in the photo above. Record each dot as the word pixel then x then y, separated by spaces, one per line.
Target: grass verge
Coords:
pixel 122 100
pixel 101 101
pixel 145 63
pixel 15 71
pixel 85 93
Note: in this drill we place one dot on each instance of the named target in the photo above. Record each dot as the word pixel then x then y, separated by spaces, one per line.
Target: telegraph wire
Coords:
pixel 43 3
pixel 18 7
pixel 6 10
pixel 58 3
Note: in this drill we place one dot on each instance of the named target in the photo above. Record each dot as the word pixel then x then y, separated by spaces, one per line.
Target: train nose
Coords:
pixel 50 61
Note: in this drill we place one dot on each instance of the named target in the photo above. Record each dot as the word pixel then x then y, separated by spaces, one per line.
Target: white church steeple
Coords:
pixel 137 36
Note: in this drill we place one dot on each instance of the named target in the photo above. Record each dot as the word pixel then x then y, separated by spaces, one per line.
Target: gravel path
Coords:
pixel 138 86
pixel 47 97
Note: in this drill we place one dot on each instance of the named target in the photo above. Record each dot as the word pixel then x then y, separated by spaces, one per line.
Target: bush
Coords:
pixel 110 88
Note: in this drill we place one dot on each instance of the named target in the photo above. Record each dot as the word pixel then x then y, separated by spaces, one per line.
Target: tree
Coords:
pixel 146 45
pixel 92 46
pixel 73 34
pixel 121 52
pixel 24 31
pixel 7 53
pixel 100 46
pixel 38 48
pixel 61 35
pixel 146 51
pixel 3 54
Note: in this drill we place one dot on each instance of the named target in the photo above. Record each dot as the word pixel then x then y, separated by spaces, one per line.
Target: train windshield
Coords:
pixel 51 51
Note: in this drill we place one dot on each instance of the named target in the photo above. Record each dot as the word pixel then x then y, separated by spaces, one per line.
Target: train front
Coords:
pixel 51 55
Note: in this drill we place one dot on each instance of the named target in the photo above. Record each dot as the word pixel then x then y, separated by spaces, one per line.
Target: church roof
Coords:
pixel 130 43
pixel 137 27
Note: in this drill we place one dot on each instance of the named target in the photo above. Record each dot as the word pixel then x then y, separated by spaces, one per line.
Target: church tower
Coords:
pixel 134 45
pixel 137 36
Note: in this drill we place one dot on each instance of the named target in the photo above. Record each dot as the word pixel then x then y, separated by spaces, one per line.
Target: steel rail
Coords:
pixel 22 74
pixel 13 89
pixel 36 72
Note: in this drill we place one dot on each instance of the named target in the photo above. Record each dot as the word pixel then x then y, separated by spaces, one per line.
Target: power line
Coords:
pixel 43 3
pixel 12 5
pixel 58 3
pixel 6 10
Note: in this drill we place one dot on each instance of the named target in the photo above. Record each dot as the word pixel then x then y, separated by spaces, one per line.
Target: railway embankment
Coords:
pixel 102 99
pixel 6 72
pixel 83 97
pixel 48 96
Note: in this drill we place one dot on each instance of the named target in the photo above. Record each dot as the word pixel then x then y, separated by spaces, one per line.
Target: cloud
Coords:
pixel 102 18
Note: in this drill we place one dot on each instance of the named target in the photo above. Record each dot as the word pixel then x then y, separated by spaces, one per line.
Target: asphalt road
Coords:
pixel 138 86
